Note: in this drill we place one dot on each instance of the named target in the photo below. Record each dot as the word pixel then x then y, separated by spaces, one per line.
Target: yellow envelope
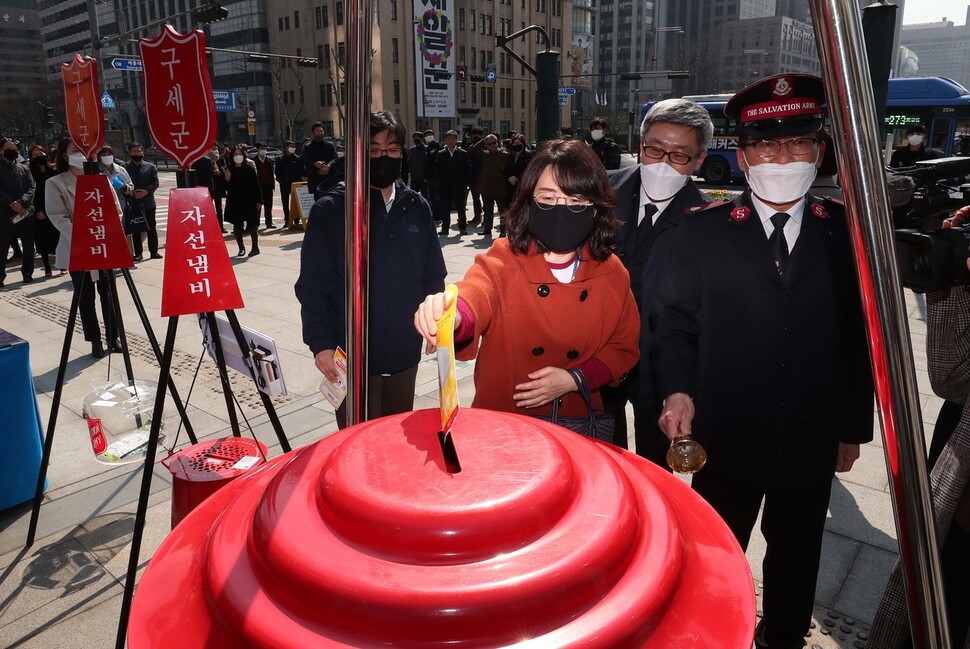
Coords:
pixel 447 379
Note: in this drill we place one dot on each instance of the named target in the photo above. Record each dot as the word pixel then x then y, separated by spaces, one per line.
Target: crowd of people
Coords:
pixel 738 323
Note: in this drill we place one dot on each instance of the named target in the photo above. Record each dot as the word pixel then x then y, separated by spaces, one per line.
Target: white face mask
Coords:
pixel 661 181
pixel 781 183
pixel 76 160
pixel 107 160
pixel 261 153
pixel 915 139
pixel 238 159
pixel 428 139
pixel 291 149
pixel 596 134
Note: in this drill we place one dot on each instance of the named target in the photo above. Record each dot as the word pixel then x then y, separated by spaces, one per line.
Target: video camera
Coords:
pixel 929 257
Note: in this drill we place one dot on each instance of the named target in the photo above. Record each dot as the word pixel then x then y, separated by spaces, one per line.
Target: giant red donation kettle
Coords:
pixel 364 539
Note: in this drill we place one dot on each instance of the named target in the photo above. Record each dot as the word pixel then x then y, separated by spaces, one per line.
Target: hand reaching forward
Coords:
pixel 426 319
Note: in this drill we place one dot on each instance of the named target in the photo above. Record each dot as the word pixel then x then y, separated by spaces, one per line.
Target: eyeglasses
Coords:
pixel 797 146
pixel 676 157
pixel 393 152
pixel 548 200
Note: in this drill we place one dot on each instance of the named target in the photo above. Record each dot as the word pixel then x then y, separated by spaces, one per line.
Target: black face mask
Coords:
pixel 517 147
pixel 10 154
pixel 384 171
pixel 137 158
pixel 559 229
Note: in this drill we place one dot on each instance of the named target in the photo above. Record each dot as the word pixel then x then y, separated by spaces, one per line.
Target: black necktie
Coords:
pixel 647 221
pixel 778 242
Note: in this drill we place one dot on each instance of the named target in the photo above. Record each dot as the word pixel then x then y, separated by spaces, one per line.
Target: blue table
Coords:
pixel 21 436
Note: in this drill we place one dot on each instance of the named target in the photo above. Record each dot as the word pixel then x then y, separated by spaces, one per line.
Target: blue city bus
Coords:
pixel 939 104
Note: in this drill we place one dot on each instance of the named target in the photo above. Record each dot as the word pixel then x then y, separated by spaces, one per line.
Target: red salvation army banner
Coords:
pixel 82 104
pixel 97 239
pixel 178 96
pixel 198 275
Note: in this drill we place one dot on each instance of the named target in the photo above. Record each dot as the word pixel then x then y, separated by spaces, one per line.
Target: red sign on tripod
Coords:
pixel 82 104
pixel 198 275
pixel 97 239
pixel 178 96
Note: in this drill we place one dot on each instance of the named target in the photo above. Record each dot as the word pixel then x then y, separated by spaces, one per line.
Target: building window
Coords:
pixel 462 94
pixel 461 55
pixel 286 21
pixel 281 23
pixel 338 12
pixel 319 54
pixel 393 9
pixel 340 53
pixel 296 20
pixel 317 15
pixel 461 18
pixel 471 16
pixel 325 14
pixel 483 54
pixel 522 99
pixel 393 50
pixel 328 128
pixel 397 91
pixel 474 59
pixel 541 6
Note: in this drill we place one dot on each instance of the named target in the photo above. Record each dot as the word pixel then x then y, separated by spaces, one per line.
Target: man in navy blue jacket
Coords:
pixel 405 265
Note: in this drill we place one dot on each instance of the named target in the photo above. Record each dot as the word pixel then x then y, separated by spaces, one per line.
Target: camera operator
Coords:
pixel 948 357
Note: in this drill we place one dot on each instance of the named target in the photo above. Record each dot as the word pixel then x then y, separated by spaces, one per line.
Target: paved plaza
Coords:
pixel 64 592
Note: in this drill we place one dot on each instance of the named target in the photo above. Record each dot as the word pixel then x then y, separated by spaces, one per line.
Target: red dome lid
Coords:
pixel 364 539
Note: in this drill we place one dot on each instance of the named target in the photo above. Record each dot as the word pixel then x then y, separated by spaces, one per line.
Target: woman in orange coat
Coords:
pixel 549 297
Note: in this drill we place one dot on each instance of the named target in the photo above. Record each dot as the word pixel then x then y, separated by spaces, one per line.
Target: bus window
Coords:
pixel 940 137
pixel 961 138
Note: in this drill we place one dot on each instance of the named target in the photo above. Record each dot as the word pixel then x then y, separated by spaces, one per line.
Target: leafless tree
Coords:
pixel 277 70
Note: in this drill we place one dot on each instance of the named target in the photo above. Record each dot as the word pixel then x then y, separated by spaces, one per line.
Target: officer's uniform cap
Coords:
pixel 784 104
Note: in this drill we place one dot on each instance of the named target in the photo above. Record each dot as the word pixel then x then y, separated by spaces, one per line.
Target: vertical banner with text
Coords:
pixel 97 239
pixel 198 275
pixel 434 47
pixel 82 104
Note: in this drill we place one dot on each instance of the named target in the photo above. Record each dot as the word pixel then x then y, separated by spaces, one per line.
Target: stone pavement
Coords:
pixel 65 591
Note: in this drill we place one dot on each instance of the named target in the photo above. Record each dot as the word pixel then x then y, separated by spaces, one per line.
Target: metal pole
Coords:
pixel 838 32
pixel 359 15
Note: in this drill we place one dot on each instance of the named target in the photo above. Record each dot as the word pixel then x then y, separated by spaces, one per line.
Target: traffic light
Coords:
pixel 49 115
pixel 210 13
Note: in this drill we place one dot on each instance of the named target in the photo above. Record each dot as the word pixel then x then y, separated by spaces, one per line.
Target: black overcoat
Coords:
pixel 778 368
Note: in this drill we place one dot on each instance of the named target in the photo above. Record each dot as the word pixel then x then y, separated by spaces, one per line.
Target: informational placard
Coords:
pixel 198 275
pixel 447 377
pixel 262 349
pixel 82 104
pixel 178 95
pixel 97 239
pixel 301 201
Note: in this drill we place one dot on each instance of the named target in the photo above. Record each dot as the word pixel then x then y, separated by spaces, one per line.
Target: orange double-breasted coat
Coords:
pixel 526 320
